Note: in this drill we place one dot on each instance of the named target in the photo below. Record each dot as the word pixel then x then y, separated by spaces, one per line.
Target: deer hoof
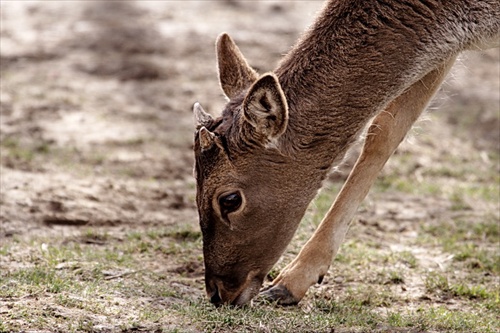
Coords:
pixel 279 294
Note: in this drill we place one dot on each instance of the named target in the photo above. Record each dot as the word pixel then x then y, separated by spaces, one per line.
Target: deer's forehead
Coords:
pixel 207 162
pixel 213 167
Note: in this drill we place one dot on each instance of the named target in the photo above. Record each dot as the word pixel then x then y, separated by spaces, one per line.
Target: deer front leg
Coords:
pixel 384 135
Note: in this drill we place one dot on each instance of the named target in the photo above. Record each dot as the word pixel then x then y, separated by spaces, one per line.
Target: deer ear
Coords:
pixel 265 107
pixel 235 75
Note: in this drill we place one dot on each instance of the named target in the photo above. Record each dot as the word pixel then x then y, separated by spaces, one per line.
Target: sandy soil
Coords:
pixel 96 119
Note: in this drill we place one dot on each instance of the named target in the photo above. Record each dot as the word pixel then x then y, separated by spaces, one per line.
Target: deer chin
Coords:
pixel 248 292
pixel 219 295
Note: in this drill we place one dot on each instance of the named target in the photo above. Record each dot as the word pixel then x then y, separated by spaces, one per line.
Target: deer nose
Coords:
pixel 215 297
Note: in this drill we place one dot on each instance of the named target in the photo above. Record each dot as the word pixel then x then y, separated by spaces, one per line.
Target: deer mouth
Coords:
pixel 248 292
pixel 219 296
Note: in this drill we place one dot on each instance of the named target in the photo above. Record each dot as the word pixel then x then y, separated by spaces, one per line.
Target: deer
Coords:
pixel 370 65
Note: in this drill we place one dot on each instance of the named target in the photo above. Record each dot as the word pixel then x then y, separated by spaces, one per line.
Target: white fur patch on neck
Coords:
pixel 272 144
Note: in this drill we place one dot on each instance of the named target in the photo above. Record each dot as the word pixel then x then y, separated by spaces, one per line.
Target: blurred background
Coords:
pixel 96 94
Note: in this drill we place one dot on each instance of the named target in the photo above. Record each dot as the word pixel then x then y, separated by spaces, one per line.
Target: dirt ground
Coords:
pixel 96 105
pixel 96 123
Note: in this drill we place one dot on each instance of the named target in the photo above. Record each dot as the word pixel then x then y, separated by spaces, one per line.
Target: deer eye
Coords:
pixel 230 202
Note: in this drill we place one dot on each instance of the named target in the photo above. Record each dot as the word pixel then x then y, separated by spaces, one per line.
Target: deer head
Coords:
pixel 248 208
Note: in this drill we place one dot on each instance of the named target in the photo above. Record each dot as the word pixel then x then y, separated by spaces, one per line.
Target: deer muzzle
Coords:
pixel 220 295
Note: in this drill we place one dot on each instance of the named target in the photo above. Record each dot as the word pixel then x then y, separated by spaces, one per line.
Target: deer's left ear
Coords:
pixel 265 107
pixel 235 75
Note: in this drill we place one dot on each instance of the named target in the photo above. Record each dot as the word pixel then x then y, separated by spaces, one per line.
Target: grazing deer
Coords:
pixel 260 164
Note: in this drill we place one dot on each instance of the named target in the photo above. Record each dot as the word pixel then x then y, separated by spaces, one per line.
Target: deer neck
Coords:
pixel 353 61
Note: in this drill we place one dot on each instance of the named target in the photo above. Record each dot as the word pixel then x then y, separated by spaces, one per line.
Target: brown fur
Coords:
pixel 281 132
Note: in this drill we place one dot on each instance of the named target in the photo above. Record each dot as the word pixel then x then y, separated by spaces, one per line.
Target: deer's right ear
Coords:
pixel 235 75
pixel 265 107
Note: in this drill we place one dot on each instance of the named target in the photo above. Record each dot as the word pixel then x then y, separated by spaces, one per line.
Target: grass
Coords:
pixel 473 244
pixel 115 283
